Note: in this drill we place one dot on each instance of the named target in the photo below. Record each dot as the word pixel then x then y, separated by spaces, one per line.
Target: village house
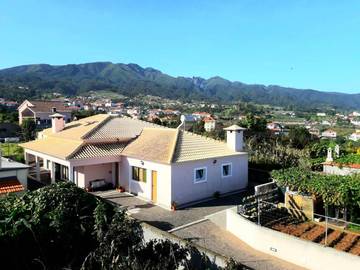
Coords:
pixel 165 165
pixel 40 111
pixel 201 115
pixel 355 136
pixel 330 134
pixel 209 124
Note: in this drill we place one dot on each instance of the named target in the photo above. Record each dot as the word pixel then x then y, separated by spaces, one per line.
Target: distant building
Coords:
pixel 40 111
pixel 321 114
pixel 275 127
pixel 209 124
pixel 355 136
pixel 330 134
pixel 201 115
pixel 314 131
pixel 354 114
pixel 188 120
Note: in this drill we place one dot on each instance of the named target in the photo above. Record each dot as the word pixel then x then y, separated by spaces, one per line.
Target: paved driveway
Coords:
pixel 166 219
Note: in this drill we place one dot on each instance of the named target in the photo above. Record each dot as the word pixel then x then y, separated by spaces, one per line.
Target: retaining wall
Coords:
pixel 292 249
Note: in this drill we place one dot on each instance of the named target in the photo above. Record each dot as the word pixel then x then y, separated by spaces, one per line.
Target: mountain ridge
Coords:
pixel 132 79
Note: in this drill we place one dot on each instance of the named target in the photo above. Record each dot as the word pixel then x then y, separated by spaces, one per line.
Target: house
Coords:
pixel 13 176
pixel 201 115
pixel 209 124
pixel 164 165
pixel 321 114
pixel 41 110
pixel 187 121
pixel 330 134
pixel 314 132
pixel 274 127
pixel 9 132
pixel 355 136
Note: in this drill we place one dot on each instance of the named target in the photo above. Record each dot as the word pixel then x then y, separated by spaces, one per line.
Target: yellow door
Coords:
pixel 154 186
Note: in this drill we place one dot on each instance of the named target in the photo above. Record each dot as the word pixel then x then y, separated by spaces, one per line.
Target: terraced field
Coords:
pixel 311 231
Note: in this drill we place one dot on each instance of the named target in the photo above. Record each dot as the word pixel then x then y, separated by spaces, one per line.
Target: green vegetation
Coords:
pixel 28 129
pixel 349 159
pixel 13 151
pixel 131 80
pixel 62 227
pixel 334 190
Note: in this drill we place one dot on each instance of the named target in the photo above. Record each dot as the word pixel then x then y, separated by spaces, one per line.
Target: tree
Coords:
pixel 28 128
pixel 254 123
pixel 63 227
pixel 299 137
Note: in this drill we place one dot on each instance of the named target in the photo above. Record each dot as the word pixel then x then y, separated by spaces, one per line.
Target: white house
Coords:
pixel 331 134
pixel 13 176
pixel 355 136
pixel 161 164
pixel 209 124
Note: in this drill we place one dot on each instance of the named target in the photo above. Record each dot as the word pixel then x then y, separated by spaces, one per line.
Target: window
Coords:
pixel 200 175
pixel 226 170
pixel 138 174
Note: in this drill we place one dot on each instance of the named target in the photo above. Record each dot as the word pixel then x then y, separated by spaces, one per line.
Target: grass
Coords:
pixel 349 159
pixel 354 228
pixel 12 150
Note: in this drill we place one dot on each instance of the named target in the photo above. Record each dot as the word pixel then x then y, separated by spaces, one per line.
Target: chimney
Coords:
pixel 57 122
pixel 234 138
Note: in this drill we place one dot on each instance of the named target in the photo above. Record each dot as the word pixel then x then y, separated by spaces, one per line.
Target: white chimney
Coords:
pixel 57 122
pixel 234 138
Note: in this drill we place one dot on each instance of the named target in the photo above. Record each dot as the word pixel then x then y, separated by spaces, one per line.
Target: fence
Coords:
pixel 327 231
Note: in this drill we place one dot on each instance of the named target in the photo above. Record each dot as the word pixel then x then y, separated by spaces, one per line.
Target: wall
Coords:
pixel 21 175
pixel 329 169
pixel 85 174
pixel 144 189
pixel 292 249
pixel 151 232
pixel 184 190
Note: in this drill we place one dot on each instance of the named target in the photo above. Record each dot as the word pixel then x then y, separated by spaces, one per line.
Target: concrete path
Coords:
pixel 210 236
pixel 190 223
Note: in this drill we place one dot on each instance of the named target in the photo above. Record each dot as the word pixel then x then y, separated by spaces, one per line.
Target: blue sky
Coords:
pixel 303 44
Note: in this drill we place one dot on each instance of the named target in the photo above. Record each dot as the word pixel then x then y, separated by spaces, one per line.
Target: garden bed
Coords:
pixel 311 231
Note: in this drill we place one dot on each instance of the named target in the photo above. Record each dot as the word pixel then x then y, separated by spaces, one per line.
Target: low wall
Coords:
pixel 338 170
pixel 151 232
pixel 289 248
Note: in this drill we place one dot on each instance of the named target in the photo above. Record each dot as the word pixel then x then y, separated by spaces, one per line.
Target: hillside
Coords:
pixel 131 79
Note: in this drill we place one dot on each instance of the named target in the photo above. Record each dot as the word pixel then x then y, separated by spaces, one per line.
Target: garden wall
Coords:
pixel 301 252
pixel 151 232
pixel 336 169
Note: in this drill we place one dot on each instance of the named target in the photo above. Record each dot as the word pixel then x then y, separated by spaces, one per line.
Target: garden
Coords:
pixel 63 227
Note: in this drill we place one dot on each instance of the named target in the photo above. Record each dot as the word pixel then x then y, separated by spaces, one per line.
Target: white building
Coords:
pixel 209 124
pixel 331 134
pixel 355 136
pixel 160 164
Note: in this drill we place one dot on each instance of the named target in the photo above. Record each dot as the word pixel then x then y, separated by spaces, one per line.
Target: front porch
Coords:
pixel 47 169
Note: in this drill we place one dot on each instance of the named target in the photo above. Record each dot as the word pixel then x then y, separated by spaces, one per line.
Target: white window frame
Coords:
pixel 205 175
pixel 222 169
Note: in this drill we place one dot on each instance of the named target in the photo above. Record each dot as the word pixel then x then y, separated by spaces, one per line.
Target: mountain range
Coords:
pixel 32 81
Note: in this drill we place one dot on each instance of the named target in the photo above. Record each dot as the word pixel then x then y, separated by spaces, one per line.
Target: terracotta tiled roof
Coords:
pixel 99 150
pixel 153 144
pixel 10 184
pixel 46 106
